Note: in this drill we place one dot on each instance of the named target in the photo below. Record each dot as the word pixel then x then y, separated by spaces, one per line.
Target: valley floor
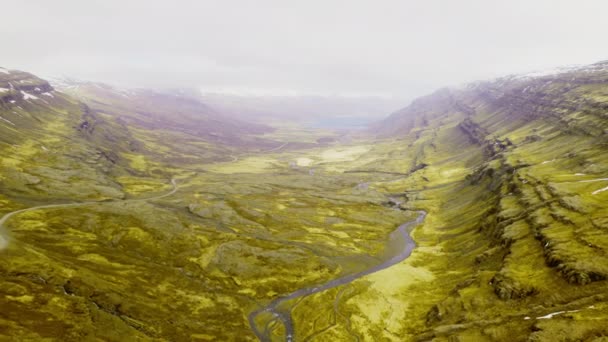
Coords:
pixel 193 262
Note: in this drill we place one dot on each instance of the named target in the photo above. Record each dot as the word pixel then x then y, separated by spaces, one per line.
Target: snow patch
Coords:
pixel 27 96
pixel 549 74
pixel 2 70
pixel 549 316
pixel 561 70
pixel 5 120
pixel 12 101
pixel 600 190
pixel 48 94
pixel 593 180
pixel 3 90
pixel 579 174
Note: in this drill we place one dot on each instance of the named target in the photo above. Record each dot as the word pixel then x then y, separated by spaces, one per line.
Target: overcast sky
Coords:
pixel 399 48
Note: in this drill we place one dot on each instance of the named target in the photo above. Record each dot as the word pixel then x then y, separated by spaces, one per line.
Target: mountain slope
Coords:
pixel 514 174
pixel 150 109
pixel 41 146
pixel 52 142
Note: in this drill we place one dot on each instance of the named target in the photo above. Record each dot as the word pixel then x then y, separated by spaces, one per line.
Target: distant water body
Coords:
pixel 342 122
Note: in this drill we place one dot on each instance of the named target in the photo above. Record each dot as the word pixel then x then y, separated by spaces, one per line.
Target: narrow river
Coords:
pixel 399 241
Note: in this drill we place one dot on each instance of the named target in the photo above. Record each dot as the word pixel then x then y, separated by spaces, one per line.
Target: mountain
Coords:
pixel 155 109
pixel 476 213
pixel 513 172
pixel 59 139
pixel 529 95
pixel 42 146
pixel 48 132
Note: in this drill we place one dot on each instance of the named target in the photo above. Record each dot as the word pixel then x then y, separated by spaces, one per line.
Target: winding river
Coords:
pixel 399 241
pixel 4 238
pixel 399 247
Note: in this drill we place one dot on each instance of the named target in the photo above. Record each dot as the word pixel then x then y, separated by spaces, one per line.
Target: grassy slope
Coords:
pixel 511 231
pixel 42 151
pixel 517 219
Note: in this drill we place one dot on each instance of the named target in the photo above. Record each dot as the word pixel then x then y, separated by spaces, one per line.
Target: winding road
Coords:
pixel 399 239
pixel 4 239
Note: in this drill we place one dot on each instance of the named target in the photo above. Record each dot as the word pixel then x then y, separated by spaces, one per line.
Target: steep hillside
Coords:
pixel 151 109
pixel 43 152
pixel 56 144
pixel 514 175
pixel 181 120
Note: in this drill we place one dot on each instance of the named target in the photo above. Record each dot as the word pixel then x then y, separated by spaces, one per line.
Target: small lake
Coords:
pixel 342 122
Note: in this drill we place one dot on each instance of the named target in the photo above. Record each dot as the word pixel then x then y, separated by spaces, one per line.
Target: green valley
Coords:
pixel 155 217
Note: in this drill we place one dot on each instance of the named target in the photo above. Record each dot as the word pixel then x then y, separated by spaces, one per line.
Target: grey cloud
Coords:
pixel 400 48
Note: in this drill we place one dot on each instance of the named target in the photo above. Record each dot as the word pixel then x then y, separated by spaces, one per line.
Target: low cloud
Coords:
pixel 393 48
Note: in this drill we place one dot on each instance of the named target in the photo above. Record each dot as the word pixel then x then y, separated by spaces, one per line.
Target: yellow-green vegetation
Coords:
pixel 244 227
pixel 189 265
pixel 512 173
